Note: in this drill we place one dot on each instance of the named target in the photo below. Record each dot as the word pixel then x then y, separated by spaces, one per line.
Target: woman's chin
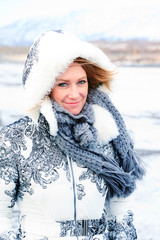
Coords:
pixel 74 109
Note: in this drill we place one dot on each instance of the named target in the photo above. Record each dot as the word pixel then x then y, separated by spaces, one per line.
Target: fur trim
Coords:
pixel 104 89
pixel 48 113
pixel 105 124
pixel 34 114
pixel 53 54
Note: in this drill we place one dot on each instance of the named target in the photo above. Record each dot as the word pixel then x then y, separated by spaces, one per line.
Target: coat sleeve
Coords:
pixel 8 187
pixel 120 218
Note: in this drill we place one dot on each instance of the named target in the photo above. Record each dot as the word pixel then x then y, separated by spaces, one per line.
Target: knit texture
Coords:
pixel 77 138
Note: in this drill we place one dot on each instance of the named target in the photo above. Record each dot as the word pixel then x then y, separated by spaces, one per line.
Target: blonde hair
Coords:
pixel 95 74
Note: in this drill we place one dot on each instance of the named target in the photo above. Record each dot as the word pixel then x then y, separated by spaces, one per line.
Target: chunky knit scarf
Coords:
pixel 77 138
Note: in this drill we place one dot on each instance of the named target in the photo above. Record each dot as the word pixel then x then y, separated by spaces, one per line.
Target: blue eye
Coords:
pixel 62 84
pixel 82 82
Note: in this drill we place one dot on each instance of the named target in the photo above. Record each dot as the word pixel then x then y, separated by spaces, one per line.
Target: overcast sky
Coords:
pixel 11 10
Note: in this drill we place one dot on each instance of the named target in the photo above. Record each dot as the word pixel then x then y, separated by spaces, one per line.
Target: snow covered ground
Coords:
pixel 136 94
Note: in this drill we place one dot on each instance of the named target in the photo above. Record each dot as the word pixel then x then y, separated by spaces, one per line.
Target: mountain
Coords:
pixel 85 24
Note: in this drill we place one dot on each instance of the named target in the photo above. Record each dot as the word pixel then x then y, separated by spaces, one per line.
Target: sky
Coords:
pixel 11 10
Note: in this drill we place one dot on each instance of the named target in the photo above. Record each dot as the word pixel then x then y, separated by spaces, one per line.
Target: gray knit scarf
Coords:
pixel 77 138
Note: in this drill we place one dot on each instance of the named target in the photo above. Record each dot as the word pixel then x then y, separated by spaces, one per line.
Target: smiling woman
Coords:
pixel 71 89
pixel 70 165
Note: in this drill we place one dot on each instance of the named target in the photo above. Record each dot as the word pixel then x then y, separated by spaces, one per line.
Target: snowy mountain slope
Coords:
pixel 86 24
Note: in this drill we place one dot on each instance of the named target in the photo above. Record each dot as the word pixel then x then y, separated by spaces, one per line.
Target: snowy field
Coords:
pixel 136 93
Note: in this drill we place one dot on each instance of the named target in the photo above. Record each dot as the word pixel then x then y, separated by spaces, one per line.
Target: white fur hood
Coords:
pixel 49 56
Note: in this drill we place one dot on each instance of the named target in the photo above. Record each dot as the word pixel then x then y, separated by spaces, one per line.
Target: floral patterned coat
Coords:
pixel 57 199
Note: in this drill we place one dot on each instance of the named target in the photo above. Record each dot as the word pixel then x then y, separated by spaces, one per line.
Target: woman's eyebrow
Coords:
pixel 67 80
pixel 60 79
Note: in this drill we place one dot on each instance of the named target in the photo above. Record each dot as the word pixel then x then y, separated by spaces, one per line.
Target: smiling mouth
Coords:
pixel 72 103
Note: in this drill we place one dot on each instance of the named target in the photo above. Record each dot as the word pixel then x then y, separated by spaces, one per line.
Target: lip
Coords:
pixel 72 103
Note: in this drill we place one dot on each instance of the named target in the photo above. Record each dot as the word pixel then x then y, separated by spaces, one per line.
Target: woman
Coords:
pixel 69 164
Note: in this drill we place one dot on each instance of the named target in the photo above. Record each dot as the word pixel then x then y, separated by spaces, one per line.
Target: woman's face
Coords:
pixel 71 89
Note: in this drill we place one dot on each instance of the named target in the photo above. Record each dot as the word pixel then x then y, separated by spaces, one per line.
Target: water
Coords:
pixel 136 94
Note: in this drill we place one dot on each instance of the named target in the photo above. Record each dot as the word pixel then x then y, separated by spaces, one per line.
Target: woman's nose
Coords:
pixel 73 93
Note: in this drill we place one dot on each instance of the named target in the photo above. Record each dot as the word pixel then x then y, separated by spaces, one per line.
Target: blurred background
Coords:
pixel 129 33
